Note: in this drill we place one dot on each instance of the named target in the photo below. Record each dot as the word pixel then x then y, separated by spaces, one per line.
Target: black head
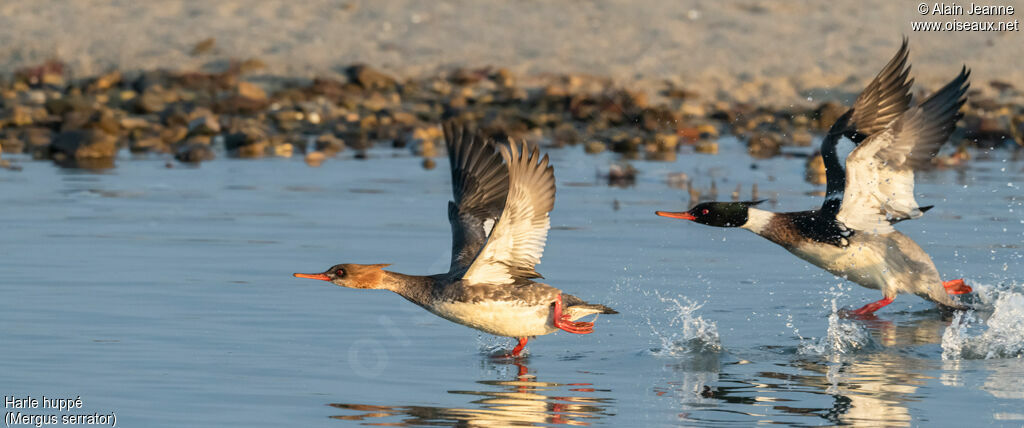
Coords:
pixel 721 214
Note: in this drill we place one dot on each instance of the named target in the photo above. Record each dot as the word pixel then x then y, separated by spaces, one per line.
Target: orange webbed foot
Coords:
pixel 565 323
pixel 957 286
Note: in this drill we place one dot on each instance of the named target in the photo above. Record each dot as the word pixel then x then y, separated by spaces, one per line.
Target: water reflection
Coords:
pixel 858 388
pixel 522 400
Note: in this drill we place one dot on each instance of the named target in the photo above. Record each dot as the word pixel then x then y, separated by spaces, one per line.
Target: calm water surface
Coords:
pixel 165 297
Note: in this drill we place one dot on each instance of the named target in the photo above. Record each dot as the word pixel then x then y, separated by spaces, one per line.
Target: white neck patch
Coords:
pixel 757 220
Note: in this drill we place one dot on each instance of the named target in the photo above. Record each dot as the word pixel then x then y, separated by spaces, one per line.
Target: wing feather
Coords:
pixel 479 189
pixel 517 241
pixel 882 101
pixel 880 172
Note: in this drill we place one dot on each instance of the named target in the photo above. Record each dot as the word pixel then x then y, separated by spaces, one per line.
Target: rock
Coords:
pixel 329 145
pixel 247 98
pixel 131 123
pixel 594 147
pixel 251 91
pixel 173 134
pixel 801 138
pixel 565 134
pixel 678 92
pixel 288 119
pixel 48 73
pixel 403 118
pixel 11 144
pixel 1001 86
pixel 283 150
pixel 153 100
pixel 692 134
pixel 194 153
pixel 764 145
pixel 504 78
pixel 250 65
pixel 827 114
pixel 315 158
pixel 377 101
pixel 664 142
pixel 204 46
pixel 626 144
pixel 369 78
pixel 249 143
pixel 425 148
pixel 37 141
pixel 706 147
pixel 104 82
pixel 815 169
pixel 204 125
pixel 424 133
pixel 355 139
pixel 465 76
pixel 83 144
pixel 21 115
pixel 149 144
pixel 63 105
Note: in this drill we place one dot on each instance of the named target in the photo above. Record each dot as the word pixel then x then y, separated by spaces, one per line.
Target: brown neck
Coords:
pixel 415 288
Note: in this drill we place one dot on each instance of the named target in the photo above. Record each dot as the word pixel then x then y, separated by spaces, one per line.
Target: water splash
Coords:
pixel 971 336
pixel 685 333
pixel 842 337
pixel 495 346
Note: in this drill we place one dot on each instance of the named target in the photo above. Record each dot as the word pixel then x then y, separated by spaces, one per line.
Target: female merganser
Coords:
pixel 499 224
pixel 852 236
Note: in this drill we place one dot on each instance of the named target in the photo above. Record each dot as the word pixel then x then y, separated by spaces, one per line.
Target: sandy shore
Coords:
pixel 763 51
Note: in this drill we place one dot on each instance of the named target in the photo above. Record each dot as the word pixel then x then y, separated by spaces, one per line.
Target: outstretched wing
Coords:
pixel 884 99
pixel 516 243
pixel 881 102
pixel 880 172
pixel 479 188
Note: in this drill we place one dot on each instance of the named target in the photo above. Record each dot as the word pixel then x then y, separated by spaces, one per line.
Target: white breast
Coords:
pixel 857 262
pixel 511 319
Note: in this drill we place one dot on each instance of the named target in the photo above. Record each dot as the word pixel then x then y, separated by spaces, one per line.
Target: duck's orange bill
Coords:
pixel 320 276
pixel 683 215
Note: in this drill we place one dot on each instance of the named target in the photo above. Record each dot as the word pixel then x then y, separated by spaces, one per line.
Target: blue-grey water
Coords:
pixel 164 296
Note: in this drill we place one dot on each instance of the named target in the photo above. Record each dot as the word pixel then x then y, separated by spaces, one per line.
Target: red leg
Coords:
pixel 870 308
pixel 563 322
pixel 957 286
pixel 519 348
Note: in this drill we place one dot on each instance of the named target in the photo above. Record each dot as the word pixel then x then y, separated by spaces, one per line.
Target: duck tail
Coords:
pixel 598 309
pixel 571 301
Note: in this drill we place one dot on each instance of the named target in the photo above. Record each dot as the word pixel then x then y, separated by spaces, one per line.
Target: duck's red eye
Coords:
pixel 340 272
pixel 704 211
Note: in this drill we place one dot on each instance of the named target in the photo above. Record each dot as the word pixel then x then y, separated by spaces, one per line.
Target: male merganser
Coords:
pixel 499 224
pixel 851 235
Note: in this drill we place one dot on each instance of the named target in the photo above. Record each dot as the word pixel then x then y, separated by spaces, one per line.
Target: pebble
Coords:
pixel 329 144
pixel 315 158
pixel 83 144
pixel 706 147
pixel 764 145
pixel 815 169
pixel 160 111
pixel 594 147
pixel 194 153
